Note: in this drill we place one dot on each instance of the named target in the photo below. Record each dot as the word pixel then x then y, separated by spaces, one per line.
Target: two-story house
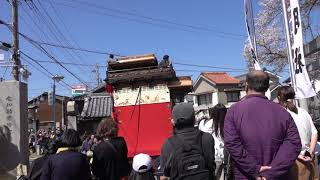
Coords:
pixel 212 88
pixel 40 112
pixel 274 84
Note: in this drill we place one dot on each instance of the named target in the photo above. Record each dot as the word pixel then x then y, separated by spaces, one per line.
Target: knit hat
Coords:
pixel 141 163
pixel 183 111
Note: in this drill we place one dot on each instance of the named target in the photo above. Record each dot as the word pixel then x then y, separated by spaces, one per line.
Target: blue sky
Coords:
pixel 209 33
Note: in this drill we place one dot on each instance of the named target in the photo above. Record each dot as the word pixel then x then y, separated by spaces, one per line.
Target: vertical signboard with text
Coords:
pixel 13 128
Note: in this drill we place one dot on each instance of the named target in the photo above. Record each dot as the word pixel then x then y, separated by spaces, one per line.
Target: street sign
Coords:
pixel 50 98
pixel 79 90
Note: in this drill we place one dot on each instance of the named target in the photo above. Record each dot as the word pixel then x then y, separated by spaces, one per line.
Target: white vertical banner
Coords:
pixel 251 34
pixel 248 14
pixel 303 87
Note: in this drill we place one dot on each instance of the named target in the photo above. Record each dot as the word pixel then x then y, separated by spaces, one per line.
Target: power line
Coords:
pixel 35 61
pixel 125 18
pixel 70 35
pixel 64 46
pixel 44 34
pixel 49 88
pixel 192 70
pixel 78 49
pixel 159 19
pixel 38 46
pixel 225 69
pixel 53 28
pixel 66 63
pixel 33 20
pixel 43 72
pixel 206 66
pixel 4 73
pixel 151 20
pixel 49 77
pixel 184 64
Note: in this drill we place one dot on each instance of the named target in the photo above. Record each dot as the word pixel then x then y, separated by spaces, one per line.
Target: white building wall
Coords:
pixel 203 87
pixel 215 98
pixel 317 85
pixel 195 101
pixel 242 94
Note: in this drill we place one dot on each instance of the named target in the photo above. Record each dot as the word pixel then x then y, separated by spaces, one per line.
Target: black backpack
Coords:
pixel 187 160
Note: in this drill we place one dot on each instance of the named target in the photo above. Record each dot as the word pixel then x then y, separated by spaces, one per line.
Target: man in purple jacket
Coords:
pixel 260 135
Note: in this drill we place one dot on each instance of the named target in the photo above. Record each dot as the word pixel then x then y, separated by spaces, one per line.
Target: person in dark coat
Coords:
pixel 110 156
pixel 68 163
pixel 36 166
pixel 183 120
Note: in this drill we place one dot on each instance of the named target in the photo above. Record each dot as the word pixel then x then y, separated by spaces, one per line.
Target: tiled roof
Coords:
pixel 97 106
pixel 220 78
pixel 181 81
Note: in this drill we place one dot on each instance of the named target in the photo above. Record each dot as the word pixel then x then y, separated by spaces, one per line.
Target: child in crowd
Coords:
pixel 141 168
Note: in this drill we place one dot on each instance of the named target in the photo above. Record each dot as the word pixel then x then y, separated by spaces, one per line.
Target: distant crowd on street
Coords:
pixel 254 139
pixel 41 139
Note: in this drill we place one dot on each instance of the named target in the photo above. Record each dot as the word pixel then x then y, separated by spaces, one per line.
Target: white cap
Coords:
pixel 140 160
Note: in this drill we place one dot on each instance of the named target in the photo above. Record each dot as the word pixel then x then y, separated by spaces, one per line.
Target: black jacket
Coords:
pixel 189 135
pixel 36 168
pixel 66 165
pixel 110 159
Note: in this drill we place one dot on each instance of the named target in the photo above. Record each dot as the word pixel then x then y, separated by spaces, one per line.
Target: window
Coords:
pixel 233 96
pixel 315 65
pixel 204 99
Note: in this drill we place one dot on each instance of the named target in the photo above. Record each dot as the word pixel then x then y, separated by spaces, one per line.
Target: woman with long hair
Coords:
pixel 110 159
pixel 214 126
pixel 305 166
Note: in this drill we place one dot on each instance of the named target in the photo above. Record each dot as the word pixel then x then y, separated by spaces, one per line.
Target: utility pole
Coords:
pixel 53 108
pixel 97 74
pixel 55 79
pixel 15 30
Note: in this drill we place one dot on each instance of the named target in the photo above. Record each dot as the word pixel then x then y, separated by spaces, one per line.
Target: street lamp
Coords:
pixel 56 78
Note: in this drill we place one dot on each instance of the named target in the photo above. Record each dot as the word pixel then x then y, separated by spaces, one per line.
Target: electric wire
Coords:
pixel 203 28
pixel 40 31
pixel 58 15
pixel 59 45
pixel 43 50
pixel 45 69
pixel 79 49
pixel 207 66
pixel 67 63
pixel 46 19
pixel 155 21
pixel 62 83
pixel 224 69
pixel 5 72
pixel 33 20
